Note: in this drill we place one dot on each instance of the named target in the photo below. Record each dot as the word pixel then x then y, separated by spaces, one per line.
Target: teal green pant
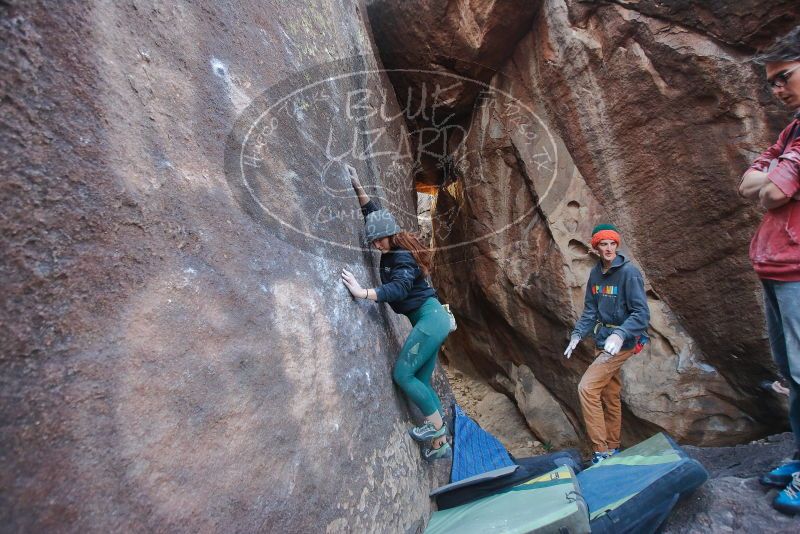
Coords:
pixel 417 359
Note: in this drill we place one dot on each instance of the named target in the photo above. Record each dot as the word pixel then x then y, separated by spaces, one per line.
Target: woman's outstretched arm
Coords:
pixel 366 207
pixel 363 198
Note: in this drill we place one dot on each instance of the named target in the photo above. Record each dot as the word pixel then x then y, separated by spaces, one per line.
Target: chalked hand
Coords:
pixel 351 172
pixel 572 344
pixel 352 285
pixel 613 344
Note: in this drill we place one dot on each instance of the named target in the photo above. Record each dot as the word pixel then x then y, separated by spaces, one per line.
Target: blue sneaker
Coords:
pixel 441 453
pixel 612 452
pixel 427 431
pixel 781 476
pixel 788 501
pixel 598 457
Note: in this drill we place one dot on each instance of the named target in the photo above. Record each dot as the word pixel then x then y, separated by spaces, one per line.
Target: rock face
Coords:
pixel 466 38
pixel 643 116
pixel 661 139
pixel 174 359
pixel 441 47
pixel 733 500
pixel 543 413
pixel 745 23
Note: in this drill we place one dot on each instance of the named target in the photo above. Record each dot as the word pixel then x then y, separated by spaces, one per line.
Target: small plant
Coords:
pixel 547 446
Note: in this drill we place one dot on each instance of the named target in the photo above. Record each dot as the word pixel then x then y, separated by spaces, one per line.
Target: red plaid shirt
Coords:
pixel 775 249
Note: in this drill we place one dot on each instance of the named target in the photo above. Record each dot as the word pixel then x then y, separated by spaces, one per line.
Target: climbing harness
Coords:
pixel 599 324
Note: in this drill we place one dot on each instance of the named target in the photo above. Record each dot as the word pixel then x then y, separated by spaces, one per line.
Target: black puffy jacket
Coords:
pixel 405 287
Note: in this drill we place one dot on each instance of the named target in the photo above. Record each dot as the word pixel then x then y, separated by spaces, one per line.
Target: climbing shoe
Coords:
pixel 612 452
pixel 781 475
pixel 598 457
pixel 788 501
pixel 438 454
pixel 427 431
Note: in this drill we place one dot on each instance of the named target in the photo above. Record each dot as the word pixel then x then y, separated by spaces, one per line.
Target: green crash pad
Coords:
pixel 549 503
pixel 628 473
pixel 635 490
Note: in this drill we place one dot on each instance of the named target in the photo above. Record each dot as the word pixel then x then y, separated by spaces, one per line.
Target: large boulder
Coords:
pixel 434 49
pixel 449 42
pixel 541 410
pixel 176 356
pixel 661 138
pixel 524 289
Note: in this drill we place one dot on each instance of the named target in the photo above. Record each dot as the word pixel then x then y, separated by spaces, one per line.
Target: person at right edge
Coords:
pixel 774 181
pixel 616 313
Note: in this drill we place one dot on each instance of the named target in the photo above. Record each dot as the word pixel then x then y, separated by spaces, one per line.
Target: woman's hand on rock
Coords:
pixel 352 285
pixel 351 172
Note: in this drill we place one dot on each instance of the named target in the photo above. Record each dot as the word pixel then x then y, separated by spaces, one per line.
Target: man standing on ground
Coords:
pixel 615 312
pixel 774 180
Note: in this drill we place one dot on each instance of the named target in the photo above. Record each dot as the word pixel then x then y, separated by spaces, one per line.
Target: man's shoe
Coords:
pixel 427 431
pixel 788 501
pixel 612 452
pixel 598 457
pixel 438 454
pixel 781 476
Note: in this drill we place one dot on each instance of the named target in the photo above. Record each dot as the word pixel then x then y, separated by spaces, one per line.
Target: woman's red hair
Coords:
pixel 411 243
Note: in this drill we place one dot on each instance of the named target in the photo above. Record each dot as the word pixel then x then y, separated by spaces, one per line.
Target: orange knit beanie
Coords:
pixel 604 231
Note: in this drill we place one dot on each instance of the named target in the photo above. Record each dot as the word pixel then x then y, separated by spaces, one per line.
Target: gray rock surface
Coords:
pixel 733 500
pixel 170 360
pixel 542 411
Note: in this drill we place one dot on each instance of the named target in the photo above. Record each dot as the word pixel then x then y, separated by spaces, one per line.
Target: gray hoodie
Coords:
pixel 614 298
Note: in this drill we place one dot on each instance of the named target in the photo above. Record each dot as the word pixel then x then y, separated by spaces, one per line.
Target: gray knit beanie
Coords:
pixel 380 224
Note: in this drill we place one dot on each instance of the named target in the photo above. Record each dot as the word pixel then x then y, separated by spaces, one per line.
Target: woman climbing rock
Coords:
pixel 404 269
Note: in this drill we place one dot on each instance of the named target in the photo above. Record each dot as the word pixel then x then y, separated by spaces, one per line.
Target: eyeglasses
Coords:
pixel 781 79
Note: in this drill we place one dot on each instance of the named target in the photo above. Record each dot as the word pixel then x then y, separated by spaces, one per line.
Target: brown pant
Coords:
pixel 600 385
